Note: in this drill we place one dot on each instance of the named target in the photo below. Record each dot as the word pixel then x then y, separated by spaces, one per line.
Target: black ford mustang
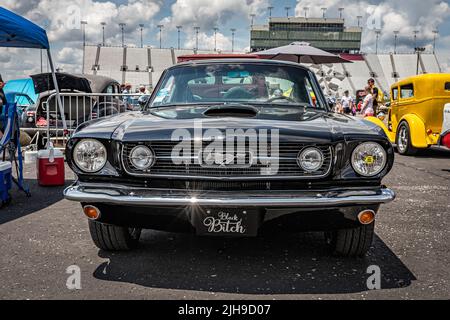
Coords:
pixel 226 148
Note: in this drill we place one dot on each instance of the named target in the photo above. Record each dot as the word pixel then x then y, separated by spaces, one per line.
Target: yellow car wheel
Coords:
pixel 403 141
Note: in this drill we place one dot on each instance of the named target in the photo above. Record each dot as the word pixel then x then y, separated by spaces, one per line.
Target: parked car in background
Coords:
pixel 217 153
pixel 77 109
pixel 415 117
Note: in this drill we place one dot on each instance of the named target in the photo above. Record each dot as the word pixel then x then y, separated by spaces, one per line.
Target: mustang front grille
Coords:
pixel 253 166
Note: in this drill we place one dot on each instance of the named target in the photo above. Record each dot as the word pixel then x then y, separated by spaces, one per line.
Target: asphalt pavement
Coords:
pixel 42 236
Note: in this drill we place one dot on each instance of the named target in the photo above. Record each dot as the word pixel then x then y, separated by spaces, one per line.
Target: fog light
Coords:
pixel 366 217
pixel 91 212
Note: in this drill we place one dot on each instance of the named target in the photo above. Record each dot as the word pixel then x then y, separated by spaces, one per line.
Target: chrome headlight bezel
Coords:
pixel 376 161
pixel 151 157
pixel 301 159
pixel 98 152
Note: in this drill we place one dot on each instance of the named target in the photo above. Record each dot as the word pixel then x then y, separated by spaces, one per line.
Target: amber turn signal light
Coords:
pixel 91 212
pixel 366 217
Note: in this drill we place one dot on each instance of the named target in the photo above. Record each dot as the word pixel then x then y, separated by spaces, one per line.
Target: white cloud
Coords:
pixel 206 42
pixel 391 15
pixel 209 13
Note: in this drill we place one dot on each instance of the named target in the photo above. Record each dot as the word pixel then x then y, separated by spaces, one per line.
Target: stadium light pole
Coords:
pixel 395 40
pixel 341 13
pixel 83 27
pixel 270 11
pixel 418 51
pixel 103 24
pixel 359 20
pixel 122 26
pixel 179 36
pixel 252 17
pixel 306 12
pixel 160 27
pixel 215 38
pixel 324 12
pixel 377 32
pixel 141 26
pixel 435 34
pixel 233 30
pixel 287 11
pixel 416 32
pixel 197 29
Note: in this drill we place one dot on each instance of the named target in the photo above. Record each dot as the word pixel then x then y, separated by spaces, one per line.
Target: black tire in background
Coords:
pixel 403 140
pixel 114 238
pixel 351 242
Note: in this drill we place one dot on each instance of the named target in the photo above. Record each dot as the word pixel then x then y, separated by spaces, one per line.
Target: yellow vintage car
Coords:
pixel 416 115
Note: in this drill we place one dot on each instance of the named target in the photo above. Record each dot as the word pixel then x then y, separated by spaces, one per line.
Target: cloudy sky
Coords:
pixel 61 19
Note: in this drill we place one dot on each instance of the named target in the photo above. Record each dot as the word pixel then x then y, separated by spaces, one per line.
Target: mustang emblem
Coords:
pixel 219 159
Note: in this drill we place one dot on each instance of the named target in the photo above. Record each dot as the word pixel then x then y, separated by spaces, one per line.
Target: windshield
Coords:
pixel 243 83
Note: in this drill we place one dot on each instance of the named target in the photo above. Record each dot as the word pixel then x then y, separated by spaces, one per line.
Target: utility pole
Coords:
pixel 270 12
pixel 341 13
pixel 287 11
pixel 215 38
pixel 160 27
pixel 435 34
pixel 179 36
pixel 122 26
pixel 395 40
pixel 197 29
pixel 324 12
pixel 377 32
pixel 103 31
pixel 306 12
pixel 233 30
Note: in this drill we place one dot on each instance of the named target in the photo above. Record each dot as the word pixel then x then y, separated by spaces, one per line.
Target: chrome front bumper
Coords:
pixel 126 196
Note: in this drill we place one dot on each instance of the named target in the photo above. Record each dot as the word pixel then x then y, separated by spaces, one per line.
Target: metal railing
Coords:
pixel 46 122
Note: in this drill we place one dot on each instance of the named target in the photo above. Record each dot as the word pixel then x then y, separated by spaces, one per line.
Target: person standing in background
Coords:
pixel 2 103
pixel 367 107
pixel 347 102
pixel 375 93
pixel 2 93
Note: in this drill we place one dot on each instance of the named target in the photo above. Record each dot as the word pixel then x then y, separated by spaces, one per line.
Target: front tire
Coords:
pixel 114 238
pixel 351 242
pixel 404 143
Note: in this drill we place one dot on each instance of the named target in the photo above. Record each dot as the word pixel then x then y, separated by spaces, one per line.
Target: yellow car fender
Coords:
pixel 416 130
pixel 378 122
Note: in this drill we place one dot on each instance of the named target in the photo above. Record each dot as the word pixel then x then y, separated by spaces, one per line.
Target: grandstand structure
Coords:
pixel 144 66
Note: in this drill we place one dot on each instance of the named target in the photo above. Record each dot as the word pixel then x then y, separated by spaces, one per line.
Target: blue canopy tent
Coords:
pixel 18 32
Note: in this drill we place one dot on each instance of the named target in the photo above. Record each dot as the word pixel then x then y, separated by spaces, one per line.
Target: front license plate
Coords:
pixel 227 222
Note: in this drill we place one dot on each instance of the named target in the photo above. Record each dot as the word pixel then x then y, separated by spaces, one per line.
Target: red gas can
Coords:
pixel 50 168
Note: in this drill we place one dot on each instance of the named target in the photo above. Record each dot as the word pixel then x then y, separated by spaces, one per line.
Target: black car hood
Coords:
pixel 295 125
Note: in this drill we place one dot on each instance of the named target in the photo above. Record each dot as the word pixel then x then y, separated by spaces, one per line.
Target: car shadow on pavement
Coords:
pixel 268 265
pixel 433 153
pixel 22 206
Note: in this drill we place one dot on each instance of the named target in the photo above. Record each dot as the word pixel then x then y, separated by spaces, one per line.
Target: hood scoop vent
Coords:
pixel 232 111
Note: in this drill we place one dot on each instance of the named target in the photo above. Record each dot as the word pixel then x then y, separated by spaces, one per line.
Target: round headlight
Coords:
pixel 142 157
pixel 90 155
pixel 369 159
pixel 311 159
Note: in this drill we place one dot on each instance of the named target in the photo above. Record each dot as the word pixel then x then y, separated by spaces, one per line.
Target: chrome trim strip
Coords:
pixel 153 197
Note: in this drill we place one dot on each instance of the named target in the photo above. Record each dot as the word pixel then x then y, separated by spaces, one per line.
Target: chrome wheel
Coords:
pixel 403 139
